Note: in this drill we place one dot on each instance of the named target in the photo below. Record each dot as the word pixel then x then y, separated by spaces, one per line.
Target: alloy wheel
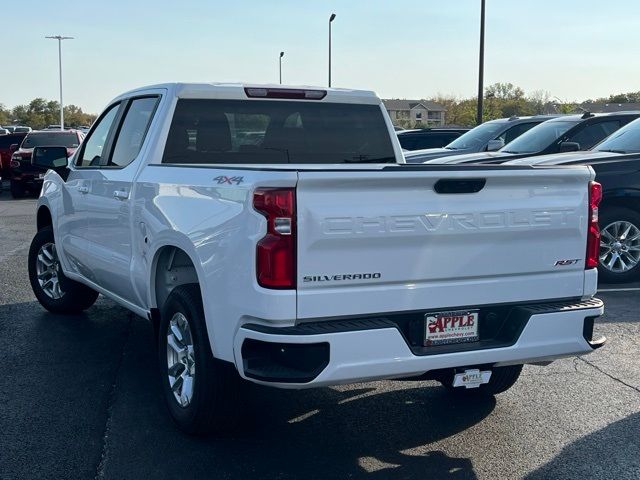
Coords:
pixel 48 271
pixel 620 246
pixel 181 365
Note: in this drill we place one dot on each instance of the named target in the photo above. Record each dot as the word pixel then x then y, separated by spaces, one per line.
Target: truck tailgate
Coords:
pixel 390 240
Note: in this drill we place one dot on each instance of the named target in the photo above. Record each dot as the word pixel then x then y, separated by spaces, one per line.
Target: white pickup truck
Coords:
pixel 275 235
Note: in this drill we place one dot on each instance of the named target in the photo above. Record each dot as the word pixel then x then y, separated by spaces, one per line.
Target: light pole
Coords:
pixel 481 65
pixel 60 38
pixel 281 55
pixel 331 18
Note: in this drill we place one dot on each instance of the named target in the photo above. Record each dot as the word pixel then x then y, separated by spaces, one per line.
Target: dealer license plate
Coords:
pixel 451 327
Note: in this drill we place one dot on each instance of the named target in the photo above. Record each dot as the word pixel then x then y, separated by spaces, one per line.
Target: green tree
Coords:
pixel 39 113
pixel 504 91
pixel 5 115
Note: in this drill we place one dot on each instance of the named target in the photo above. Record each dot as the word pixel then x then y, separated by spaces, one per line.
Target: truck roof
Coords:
pixel 236 91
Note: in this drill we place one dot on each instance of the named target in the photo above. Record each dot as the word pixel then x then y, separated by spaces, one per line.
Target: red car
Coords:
pixel 6 141
pixel 24 176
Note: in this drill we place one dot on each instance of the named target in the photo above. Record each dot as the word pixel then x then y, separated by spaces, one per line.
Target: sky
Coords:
pixel 574 49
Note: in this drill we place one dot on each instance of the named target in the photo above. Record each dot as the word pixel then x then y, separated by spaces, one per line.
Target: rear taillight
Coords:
pixel 593 234
pixel 276 251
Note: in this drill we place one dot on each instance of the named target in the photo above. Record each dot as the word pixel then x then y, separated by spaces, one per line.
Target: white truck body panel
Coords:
pixel 432 251
pixel 501 244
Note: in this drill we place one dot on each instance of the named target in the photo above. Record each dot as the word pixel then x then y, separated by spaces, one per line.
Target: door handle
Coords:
pixel 120 194
pixel 83 189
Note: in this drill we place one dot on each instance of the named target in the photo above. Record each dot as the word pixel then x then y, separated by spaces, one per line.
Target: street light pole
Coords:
pixel 331 18
pixel 481 66
pixel 60 38
pixel 281 55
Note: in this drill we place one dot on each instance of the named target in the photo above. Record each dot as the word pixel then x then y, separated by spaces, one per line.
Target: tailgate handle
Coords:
pixel 463 185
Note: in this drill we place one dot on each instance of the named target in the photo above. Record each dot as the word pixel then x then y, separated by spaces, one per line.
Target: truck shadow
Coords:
pixel 111 394
pixel 358 433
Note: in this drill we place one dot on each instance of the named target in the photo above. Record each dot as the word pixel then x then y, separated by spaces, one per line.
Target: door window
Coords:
pixel 515 131
pixel 592 134
pixel 94 146
pixel 133 131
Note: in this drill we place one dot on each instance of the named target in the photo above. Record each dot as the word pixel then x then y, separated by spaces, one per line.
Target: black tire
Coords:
pixel 609 215
pixel 216 402
pixel 17 189
pixel 502 379
pixel 76 297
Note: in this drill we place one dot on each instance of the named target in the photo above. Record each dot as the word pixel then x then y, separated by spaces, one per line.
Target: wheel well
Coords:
pixel 174 267
pixel 43 218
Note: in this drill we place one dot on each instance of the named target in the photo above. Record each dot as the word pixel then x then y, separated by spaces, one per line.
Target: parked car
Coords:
pixel 281 264
pixel 52 127
pixel 616 162
pixel 4 131
pixel 490 136
pixel 419 139
pixel 564 134
pixel 8 144
pixel 21 129
pixel 23 175
pixel 8 128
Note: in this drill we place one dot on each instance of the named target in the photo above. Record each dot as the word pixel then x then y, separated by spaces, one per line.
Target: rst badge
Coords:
pixel 562 263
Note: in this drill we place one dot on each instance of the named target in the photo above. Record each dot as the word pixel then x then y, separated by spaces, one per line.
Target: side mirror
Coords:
pixel 569 147
pixel 13 147
pixel 54 158
pixel 494 145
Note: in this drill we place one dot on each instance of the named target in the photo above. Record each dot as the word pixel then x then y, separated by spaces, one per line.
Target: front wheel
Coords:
pixel 619 245
pixel 52 288
pixel 203 394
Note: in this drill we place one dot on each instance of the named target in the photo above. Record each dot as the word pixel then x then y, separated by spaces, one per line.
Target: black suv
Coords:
pixel 428 137
pixel 570 133
pixel 616 162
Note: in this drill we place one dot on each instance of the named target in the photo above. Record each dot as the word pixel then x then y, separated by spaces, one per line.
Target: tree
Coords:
pixel 5 115
pixel 39 113
pixel 504 91
pixel 539 99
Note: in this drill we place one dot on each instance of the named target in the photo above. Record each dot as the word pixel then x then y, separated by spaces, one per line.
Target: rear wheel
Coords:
pixel 502 379
pixel 17 189
pixel 52 288
pixel 619 245
pixel 203 394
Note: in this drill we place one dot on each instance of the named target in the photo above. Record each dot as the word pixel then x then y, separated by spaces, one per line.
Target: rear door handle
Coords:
pixel 120 194
pixel 83 189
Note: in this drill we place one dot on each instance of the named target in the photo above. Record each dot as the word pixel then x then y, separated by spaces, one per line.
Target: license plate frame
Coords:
pixel 451 327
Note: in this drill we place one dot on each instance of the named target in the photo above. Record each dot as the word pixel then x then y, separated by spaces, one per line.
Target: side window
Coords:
pixel 594 133
pixel 94 145
pixel 407 142
pixel 132 132
pixel 515 131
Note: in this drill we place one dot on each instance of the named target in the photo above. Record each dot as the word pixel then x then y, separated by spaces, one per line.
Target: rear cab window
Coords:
pixel 207 131
pixel 47 139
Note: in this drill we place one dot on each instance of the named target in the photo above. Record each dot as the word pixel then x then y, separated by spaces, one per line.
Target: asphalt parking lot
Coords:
pixel 79 398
